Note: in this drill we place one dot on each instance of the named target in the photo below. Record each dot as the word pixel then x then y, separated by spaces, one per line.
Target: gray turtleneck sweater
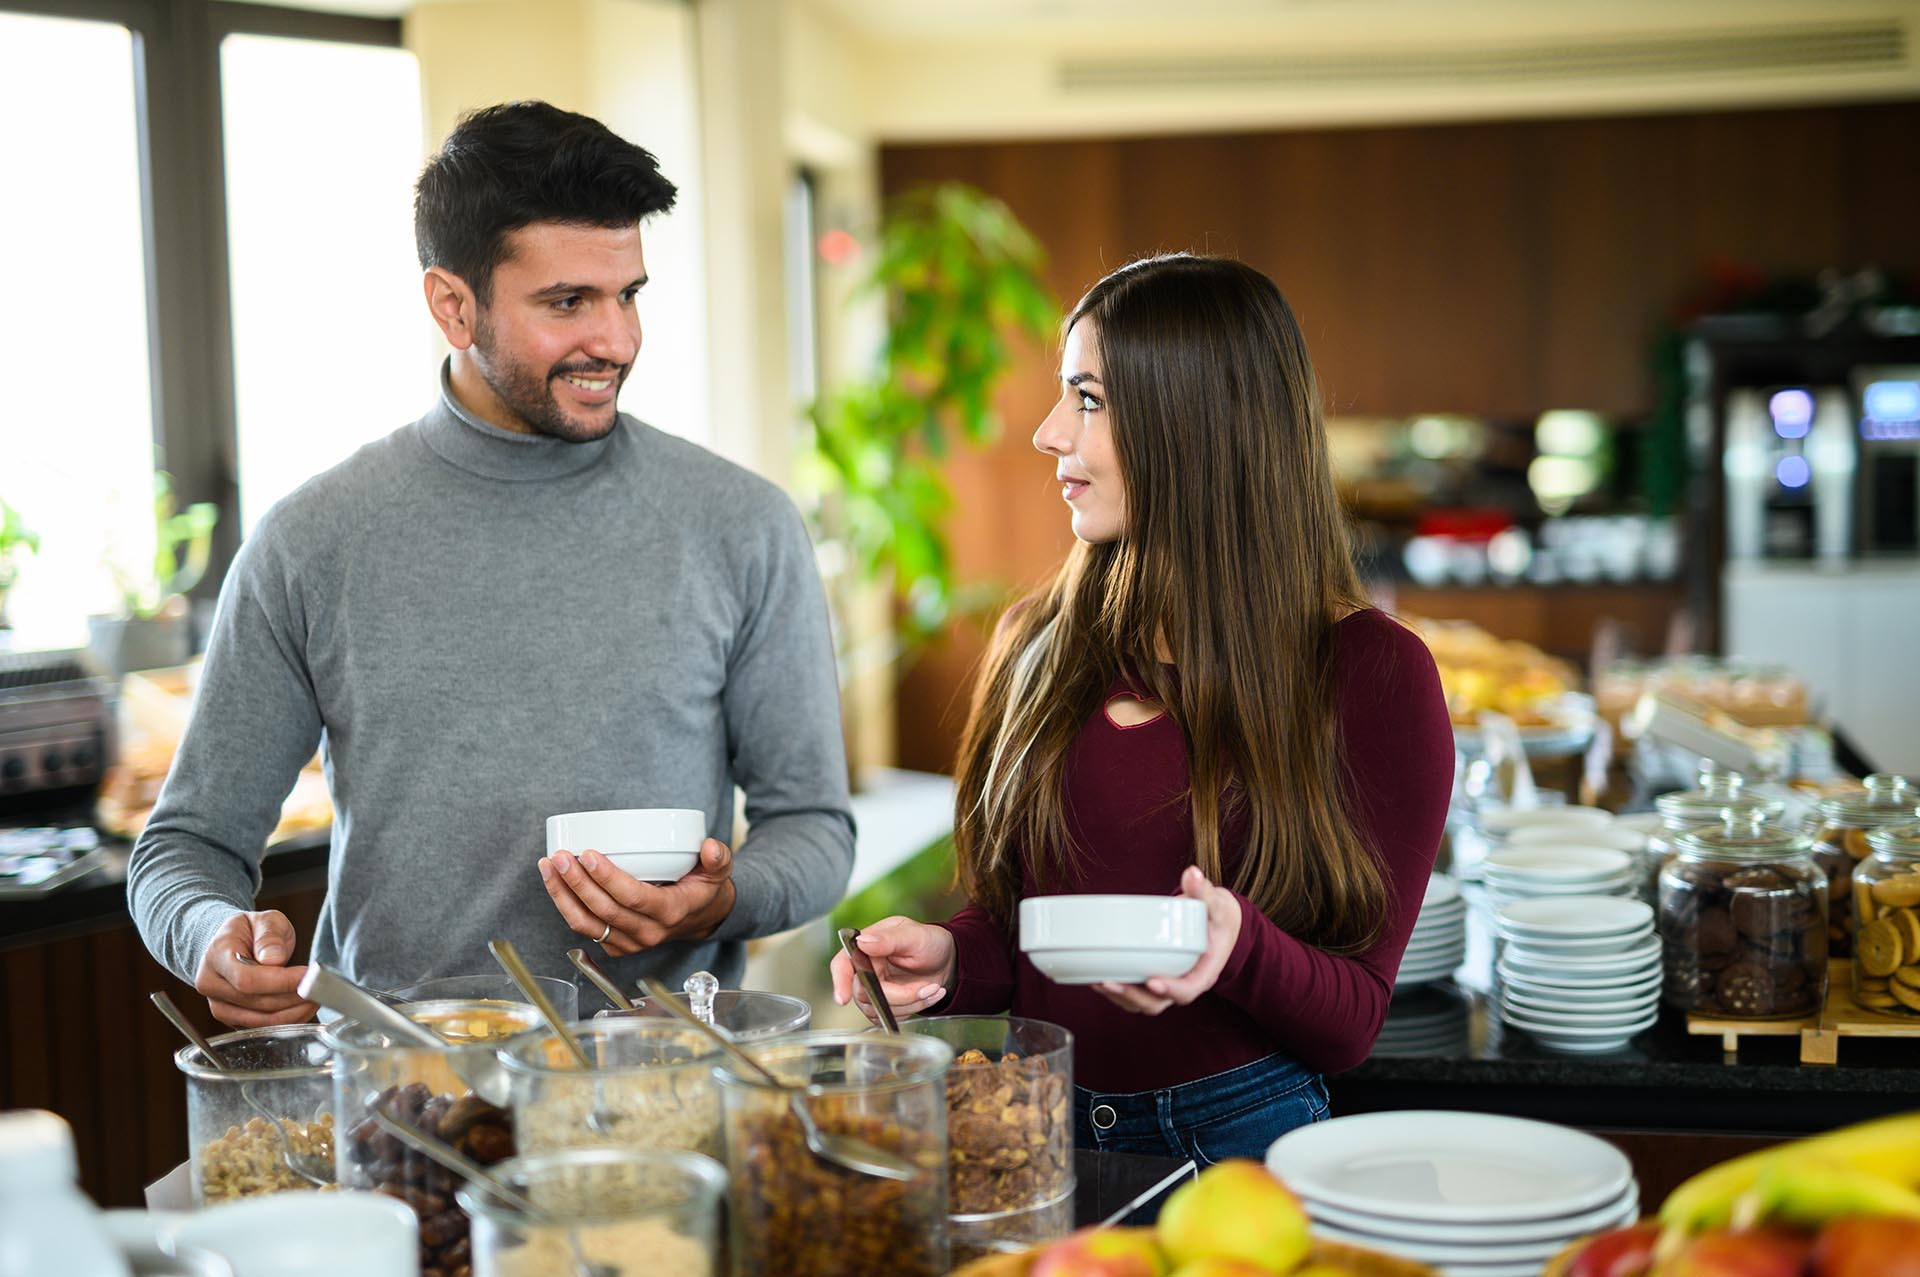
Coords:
pixel 482 629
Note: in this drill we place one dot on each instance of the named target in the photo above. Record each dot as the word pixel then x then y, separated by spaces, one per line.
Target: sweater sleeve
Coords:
pixel 254 725
pixel 1397 746
pixel 782 709
pixel 982 965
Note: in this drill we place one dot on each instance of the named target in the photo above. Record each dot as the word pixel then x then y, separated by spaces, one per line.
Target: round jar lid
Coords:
pixel 1887 800
pixel 1896 840
pixel 1717 792
pixel 1744 833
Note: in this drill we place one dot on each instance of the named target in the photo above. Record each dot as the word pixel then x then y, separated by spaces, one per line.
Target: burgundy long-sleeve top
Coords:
pixel 1132 828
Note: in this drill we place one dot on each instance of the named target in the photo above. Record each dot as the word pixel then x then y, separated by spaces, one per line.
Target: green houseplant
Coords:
pixel 154 628
pixel 16 538
pixel 962 280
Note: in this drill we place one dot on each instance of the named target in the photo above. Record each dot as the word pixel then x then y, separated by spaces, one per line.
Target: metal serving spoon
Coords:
pixel 599 1120
pixel 600 980
pixel 310 1167
pixel 868 977
pixel 476 1067
pixel 842 1150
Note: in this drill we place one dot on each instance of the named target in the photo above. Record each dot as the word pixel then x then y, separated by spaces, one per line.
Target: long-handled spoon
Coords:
pixel 599 979
pixel 460 1164
pixel 599 1120
pixel 315 1170
pixel 336 993
pixel 868 977
pixel 842 1150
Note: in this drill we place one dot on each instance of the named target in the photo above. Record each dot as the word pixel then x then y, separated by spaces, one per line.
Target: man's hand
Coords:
pixel 1223 929
pixel 914 961
pixel 624 915
pixel 265 992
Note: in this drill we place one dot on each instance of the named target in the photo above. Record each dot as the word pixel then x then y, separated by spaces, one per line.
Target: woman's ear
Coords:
pixel 452 305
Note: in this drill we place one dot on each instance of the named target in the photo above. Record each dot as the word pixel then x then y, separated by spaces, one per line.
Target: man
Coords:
pixel 524 603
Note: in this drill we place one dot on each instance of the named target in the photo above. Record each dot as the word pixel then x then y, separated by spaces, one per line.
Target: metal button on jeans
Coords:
pixel 1104 1117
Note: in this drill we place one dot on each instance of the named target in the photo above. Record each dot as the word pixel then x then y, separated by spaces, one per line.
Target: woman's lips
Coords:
pixel 1070 487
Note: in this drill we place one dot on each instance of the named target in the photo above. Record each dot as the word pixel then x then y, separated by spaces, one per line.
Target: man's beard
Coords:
pixel 529 394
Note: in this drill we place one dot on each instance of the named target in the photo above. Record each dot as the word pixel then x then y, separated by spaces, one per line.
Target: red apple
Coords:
pixel 1624 1252
pixel 1236 1210
pixel 1102 1252
pixel 1868 1246
pixel 1758 1252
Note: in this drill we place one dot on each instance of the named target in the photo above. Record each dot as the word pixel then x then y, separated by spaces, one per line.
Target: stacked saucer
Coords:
pixel 1578 973
pixel 1472 1194
pixel 1427 1020
pixel 1439 941
pixel 1558 869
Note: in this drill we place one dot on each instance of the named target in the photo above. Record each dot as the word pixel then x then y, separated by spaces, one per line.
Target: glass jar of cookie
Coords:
pixel 1743 921
pixel 1841 842
pixel 1685 810
pixel 1886 919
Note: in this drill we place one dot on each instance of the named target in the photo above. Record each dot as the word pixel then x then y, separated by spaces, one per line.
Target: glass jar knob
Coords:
pixel 700 987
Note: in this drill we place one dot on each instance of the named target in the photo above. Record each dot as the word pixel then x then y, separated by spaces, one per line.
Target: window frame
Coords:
pixel 183 213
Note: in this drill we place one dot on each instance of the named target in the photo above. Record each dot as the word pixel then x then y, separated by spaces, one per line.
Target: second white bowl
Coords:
pixel 1088 939
pixel 654 844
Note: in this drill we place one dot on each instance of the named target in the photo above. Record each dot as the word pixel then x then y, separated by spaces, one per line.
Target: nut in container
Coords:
pixel 275 1077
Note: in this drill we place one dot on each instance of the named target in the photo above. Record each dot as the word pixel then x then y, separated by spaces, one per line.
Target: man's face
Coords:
pixel 561 332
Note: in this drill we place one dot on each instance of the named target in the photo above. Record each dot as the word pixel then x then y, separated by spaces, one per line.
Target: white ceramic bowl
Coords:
pixel 1088 939
pixel 654 844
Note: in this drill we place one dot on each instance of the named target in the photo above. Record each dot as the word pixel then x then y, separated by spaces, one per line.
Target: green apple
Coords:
pixel 1236 1210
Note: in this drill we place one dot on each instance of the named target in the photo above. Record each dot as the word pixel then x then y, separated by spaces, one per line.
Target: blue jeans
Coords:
pixel 1233 1114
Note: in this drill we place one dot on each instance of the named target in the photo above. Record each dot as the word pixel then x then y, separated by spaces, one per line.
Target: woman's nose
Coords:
pixel 1053 437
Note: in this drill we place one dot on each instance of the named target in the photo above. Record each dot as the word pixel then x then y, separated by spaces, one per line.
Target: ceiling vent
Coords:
pixel 1824 49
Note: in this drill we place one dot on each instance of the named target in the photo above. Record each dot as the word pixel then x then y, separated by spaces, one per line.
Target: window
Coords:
pixel 332 345
pixel 76 417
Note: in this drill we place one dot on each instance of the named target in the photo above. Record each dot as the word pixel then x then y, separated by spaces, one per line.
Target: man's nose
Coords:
pixel 615 338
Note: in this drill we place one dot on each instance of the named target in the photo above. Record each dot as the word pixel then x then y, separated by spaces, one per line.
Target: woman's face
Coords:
pixel 1076 435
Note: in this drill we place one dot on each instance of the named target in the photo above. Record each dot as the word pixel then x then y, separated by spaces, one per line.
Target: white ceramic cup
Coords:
pixel 654 844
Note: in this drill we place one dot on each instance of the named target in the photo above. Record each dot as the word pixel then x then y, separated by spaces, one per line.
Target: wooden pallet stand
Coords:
pixel 1819 1035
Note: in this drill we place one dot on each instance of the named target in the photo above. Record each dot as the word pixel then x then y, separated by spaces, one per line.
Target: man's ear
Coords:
pixel 452 305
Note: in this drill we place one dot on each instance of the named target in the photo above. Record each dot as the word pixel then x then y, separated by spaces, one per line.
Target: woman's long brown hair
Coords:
pixel 1235 557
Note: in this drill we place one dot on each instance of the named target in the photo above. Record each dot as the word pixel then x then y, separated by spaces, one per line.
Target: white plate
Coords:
pixel 1448 1167
pixel 1575 946
pixel 1584 997
pixel 1441 890
pixel 1128 966
pixel 1566 916
pixel 1579 1032
pixel 1616 835
pixel 1446 940
pixel 1455 1233
pixel 1639 953
pixel 1558 862
pixel 1422 975
pixel 1506 890
pixel 1595 1041
pixel 1533 1003
pixel 1465 1249
pixel 1641 822
pixel 1500 821
pixel 1623 986
pixel 1514 1012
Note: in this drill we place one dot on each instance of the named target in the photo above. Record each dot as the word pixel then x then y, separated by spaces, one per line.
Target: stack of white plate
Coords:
pixel 1579 973
pixel 1471 1194
pixel 1558 869
pixel 1439 942
pixel 1430 1020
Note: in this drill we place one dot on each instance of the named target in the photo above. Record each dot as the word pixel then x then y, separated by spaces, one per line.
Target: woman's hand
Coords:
pixel 1223 929
pixel 913 960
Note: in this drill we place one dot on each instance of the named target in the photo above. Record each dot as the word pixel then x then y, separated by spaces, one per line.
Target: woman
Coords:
pixel 1203 703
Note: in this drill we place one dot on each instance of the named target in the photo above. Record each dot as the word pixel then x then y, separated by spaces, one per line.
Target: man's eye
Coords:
pixel 630 296
pixel 566 303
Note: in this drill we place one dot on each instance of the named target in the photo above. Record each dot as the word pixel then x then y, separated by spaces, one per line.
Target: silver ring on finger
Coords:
pixel 605 934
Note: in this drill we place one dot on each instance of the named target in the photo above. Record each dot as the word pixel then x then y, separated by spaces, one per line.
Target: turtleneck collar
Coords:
pixel 461 439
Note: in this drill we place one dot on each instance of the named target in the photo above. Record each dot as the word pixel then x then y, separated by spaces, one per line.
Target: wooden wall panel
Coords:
pixel 1499 269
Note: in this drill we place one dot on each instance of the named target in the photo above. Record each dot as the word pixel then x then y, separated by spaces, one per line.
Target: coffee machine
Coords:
pixel 1789 464
pixel 1889 487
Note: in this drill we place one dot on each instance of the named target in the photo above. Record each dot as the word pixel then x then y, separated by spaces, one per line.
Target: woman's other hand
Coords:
pixel 1223 929
pixel 913 960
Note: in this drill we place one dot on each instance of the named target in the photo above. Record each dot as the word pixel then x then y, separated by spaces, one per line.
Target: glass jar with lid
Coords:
pixel 651 1087
pixel 1841 842
pixel 456 1092
pixel 623 1212
pixel 1688 809
pixel 795 1214
pixel 272 1077
pixel 1886 919
pixel 1743 920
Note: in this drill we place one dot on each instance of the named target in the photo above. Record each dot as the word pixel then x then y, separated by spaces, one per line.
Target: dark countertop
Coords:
pixel 1445 1047
pixel 99 900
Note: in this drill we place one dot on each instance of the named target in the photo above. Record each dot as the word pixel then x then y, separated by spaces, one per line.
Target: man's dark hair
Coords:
pixel 508 166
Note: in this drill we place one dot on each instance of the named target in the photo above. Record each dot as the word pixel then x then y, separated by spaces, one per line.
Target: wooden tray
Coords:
pixel 1362 1263
pixel 1819 1035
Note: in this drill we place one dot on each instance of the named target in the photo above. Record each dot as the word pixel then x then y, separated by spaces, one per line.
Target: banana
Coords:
pixel 1887 1147
pixel 1810 1191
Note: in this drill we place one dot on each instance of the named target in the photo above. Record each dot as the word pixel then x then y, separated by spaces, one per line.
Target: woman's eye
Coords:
pixel 1088 403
